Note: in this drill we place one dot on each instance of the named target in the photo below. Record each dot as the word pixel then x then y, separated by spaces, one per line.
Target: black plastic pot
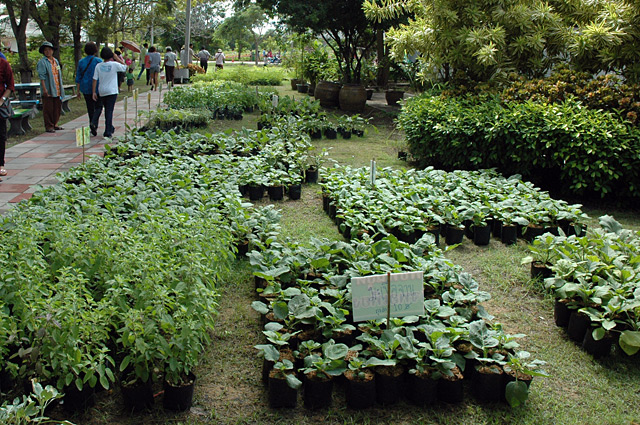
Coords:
pixel 360 394
pixel 256 192
pixel 281 394
pixel 317 393
pixel 532 232
pixel 468 229
pixel 435 231
pixel 244 189
pixel 488 386
pixel 295 192
pixel 402 155
pixel 137 397
pixel 421 391
pixel 315 134
pixel 481 235
pixel 76 400
pixel 344 133
pixel 509 234
pixel 179 398
pixel 597 349
pixel 276 193
pixel 311 176
pixel 578 325
pixel 389 384
pixel 496 228
pixel 330 133
pixel 540 270
pixel 454 235
pixel 450 391
pixel 561 314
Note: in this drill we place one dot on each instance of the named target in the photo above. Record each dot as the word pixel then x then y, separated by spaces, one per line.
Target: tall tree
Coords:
pixel 80 9
pixel 341 23
pixel 20 9
pixel 49 16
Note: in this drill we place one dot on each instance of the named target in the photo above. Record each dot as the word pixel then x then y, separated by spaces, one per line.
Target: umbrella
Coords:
pixel 128 44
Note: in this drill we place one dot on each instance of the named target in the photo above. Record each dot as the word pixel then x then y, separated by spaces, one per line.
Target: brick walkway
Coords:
pixel 36 161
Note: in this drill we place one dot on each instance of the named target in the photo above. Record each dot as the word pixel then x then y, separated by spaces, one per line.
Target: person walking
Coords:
pixel 51 87
pixel 154 66
pixel 84 80
pixel 143 53
pixel 204 56
pixel 6 87
pixel 169 65
pixel 219 57
pixel 105 88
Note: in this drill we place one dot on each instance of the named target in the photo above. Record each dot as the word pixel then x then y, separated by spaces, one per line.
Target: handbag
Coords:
pixel 5 110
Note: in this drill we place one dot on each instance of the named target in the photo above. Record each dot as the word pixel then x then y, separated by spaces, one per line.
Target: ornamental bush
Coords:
pixel 576 149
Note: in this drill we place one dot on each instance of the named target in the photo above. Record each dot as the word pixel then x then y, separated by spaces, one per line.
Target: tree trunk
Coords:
pixel 20 33
pixel 384 64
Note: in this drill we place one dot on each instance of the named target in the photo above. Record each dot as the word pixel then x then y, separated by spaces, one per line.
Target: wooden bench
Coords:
pixel 20 121
pixel 65 103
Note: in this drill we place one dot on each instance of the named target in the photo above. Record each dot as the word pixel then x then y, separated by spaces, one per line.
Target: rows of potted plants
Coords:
pixel 110 275
pixel 179 119
pixel 224 98
pixel 312 341
pixel 411 203
pixel 594 279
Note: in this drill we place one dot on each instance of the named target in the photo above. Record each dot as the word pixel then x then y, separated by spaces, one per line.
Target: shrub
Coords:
pixel 590 151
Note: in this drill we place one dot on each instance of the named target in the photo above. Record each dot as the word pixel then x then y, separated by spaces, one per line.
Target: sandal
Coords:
pixel 58 128
pixel 3 172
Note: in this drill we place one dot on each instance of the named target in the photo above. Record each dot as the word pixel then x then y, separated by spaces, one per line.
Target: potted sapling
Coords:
pixel 283 385
pixel 519 372
pixel 319 371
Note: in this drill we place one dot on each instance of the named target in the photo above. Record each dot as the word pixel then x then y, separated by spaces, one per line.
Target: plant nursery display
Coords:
pixel 305 299
pixel 594 281
pixel 409 204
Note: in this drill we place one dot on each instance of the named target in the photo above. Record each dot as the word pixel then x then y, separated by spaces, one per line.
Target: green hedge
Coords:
pixel 577 150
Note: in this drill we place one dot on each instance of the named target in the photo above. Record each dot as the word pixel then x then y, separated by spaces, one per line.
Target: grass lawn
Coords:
pixel 580 390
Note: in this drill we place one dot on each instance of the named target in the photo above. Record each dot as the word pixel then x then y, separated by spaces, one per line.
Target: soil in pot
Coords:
pixel 598 349
pixel 389 384
pixel 578 325
pixel 256 192
pixel 280 393
pixel 295 192
pixel 276 193
pixel 561 313
pixel 488 384
pixel 360 393
pixel 137 397
pixel 317 391
pixel 509 234
pixel 421 389
pixel 481 235
pixel 179 397
pixel 450 388
pixel 454 235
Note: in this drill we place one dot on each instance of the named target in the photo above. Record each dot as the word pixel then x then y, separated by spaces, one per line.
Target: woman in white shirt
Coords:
pixel 105 88
pixel 169 65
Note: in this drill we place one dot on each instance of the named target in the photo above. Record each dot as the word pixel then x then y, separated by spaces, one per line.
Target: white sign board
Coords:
pixel 370 296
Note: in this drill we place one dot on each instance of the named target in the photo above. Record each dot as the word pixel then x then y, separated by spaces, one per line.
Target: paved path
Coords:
pixel 36 161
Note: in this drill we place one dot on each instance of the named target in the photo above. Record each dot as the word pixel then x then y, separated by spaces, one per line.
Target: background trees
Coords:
pixel 487 39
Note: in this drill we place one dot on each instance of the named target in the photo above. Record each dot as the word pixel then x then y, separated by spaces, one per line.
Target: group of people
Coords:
pixel 98 80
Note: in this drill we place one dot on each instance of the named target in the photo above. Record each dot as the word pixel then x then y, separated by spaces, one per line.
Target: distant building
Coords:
pixel 6 33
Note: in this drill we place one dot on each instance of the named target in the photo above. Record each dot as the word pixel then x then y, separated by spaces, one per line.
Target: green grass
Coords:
pixel 580 390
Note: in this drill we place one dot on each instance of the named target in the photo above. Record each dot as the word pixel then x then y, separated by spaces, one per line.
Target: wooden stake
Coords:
pixel 388 298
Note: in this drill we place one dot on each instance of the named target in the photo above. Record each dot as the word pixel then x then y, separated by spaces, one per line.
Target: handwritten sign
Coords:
pixel 370 296
pixel 83 137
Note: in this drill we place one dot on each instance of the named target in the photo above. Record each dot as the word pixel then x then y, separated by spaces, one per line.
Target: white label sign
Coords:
pixel 370 296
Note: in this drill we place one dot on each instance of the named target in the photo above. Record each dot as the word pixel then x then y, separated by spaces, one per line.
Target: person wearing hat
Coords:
pixel 51 87
pixel 219 57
